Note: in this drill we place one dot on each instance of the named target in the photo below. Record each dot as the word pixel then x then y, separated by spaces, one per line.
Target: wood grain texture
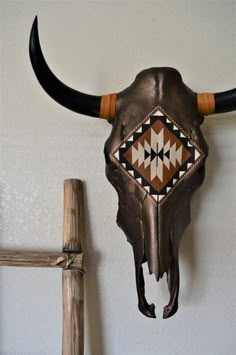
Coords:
pixel 72 280
pixel 42 259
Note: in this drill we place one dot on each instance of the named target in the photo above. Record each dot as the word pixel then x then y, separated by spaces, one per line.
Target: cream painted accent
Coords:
pixel 138 154
pixel 153 168
pixel 159 169
pixel 166 161
pixel 189 165
pixel 158 113
pixel 131 138
pixel 157 140
pixel 131 172
pixel 197 154
pixel 173 154
pixel 139 130
pixel 147 146
pixel 167 146
pixel 147 162
pixel 179 154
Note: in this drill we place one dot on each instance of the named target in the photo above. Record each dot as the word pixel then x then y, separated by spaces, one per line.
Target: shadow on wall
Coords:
pixel 93 312
pixel 188 253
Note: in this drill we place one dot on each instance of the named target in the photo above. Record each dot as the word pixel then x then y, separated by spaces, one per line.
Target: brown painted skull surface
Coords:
pixel 154 230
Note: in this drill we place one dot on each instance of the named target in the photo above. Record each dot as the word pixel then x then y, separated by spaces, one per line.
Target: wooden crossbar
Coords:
pixel 42 259
pixel 71 262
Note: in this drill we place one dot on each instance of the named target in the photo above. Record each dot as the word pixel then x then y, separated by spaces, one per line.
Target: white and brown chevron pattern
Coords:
pixel 157 154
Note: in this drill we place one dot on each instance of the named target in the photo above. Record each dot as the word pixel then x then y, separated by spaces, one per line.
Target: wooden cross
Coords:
pixel 71 262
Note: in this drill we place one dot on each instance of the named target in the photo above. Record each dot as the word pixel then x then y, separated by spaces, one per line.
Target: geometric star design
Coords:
pixel 157 154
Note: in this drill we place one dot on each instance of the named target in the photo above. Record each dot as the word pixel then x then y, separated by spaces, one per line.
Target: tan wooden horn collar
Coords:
pixel 108 106
pixel 206 103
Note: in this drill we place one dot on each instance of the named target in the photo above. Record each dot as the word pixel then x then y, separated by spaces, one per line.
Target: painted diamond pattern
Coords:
pixel 157 155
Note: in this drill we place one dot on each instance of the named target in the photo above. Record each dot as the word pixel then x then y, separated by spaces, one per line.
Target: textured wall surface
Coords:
pixel 99 47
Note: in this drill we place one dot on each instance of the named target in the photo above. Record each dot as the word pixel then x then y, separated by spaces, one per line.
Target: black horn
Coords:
pixel 221 102
pixel 72 99
pixel 225 101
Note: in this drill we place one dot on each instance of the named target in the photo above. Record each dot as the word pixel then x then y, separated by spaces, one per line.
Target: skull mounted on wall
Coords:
pixel 155 159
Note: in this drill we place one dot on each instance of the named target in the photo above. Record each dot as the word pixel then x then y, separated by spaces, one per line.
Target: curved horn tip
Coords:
pixel 72 99
pixel 35 24
pixel 34 36
pixel 34 28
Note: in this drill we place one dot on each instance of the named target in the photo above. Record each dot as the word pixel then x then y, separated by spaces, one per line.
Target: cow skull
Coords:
pixel 155 159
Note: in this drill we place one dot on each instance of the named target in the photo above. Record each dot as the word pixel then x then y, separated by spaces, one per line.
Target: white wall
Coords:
pixel 99 47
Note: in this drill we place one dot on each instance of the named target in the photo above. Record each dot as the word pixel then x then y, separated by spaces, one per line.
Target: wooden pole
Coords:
pixel 42 259
pixel 72 280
